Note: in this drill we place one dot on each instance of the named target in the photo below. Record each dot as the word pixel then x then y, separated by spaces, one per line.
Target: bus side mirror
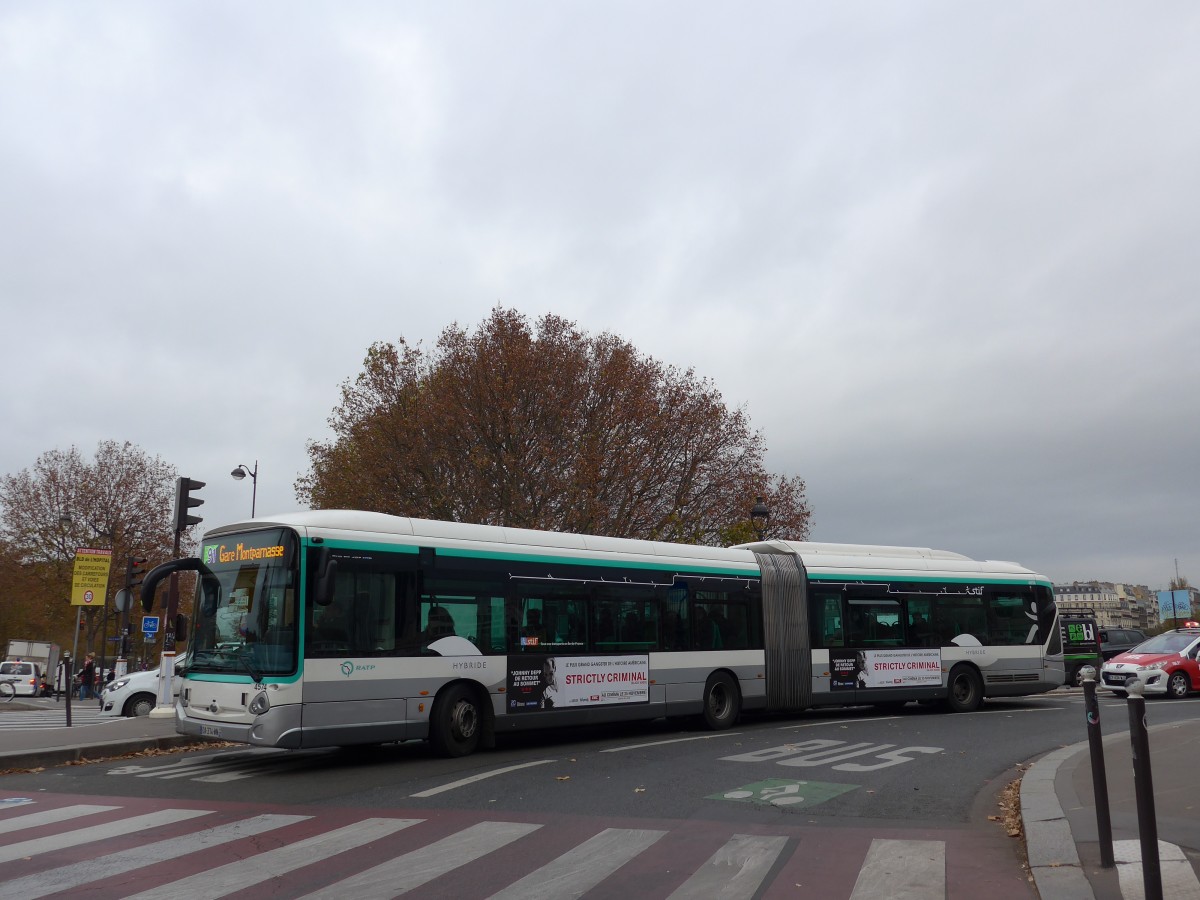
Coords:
pixel 210 588
pixel 326 577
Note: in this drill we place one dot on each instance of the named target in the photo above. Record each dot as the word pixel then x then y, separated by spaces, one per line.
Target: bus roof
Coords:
pixel 819 558
pixel 864 559
pixel 347 524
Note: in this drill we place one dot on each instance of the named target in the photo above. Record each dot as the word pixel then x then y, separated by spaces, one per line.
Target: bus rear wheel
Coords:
pixel 722 703
pixel 965 690
pixel 457 722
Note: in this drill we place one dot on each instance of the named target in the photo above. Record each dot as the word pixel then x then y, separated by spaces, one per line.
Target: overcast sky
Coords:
pixel 944 254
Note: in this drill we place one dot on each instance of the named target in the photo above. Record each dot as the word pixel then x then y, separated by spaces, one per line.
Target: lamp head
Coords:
pixel 760 515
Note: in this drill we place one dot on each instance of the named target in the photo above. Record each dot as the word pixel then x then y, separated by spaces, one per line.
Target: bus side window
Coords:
pixel 873 623
pixel 675 618
pixel 1007 621
pixel 736 631
pixel 707 628
pixel 826 625
pixel 920 630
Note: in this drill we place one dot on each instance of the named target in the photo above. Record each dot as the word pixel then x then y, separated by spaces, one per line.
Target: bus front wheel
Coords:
pixel 457 722
pixel 722 703
pixel 965 690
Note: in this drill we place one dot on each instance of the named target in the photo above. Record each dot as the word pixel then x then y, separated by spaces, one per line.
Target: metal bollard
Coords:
pixel 70 683
pixel 1099 774
pixel 1143 786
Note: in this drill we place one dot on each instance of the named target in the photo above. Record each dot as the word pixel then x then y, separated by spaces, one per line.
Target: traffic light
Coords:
pixel 135 571
pixel 185 501
pixel 126 646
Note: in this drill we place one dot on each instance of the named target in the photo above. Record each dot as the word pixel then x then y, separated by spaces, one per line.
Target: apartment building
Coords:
pixel 1116 605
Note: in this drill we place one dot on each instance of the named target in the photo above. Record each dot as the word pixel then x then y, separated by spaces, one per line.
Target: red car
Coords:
pixel 1166 664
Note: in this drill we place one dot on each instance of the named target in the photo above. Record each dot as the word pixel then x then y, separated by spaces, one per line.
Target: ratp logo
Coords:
pixel 349 668
pixel 210 553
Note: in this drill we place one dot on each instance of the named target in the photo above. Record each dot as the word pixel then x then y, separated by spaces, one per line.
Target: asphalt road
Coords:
pixel 921 765
pixel 839 777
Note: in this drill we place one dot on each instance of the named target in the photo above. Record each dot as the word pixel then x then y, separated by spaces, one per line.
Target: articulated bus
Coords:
pixel 332 628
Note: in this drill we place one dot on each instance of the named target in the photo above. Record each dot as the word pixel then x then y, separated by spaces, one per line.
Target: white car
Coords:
pixel 25 677
pixel 134 694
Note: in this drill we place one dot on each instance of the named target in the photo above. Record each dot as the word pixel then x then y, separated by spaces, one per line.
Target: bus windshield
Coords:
pixel 246 605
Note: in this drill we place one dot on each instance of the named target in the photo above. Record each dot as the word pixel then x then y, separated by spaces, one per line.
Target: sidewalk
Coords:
pixel 1058 809
pixel 46 747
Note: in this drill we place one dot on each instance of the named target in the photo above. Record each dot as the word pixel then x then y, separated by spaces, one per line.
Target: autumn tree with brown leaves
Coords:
pixel 547 428
pixel 121 500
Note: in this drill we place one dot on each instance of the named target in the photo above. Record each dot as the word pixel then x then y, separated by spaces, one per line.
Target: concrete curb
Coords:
pixel 1049 843
pixel 61 756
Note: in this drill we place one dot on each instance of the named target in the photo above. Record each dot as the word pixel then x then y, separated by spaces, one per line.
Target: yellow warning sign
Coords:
pixel 90 583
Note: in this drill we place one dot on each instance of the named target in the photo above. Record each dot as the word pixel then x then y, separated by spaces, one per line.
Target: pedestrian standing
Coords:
pixel 87 677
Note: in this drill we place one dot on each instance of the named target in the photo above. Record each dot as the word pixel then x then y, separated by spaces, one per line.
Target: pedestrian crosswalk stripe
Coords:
pixel 902 870
pixel 50 817
pixel 244 873
pixel 734 872
pixel 295 846
pixel 115 864
pixel 411 870
pixel 578 871
pixel 90 834
pixel 42 719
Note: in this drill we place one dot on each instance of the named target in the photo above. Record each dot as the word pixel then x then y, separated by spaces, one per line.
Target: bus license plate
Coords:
pixel 210 731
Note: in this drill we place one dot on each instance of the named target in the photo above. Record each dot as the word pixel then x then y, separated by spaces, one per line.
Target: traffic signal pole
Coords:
pixel 166 667
pixel 183 520
pixel 135 572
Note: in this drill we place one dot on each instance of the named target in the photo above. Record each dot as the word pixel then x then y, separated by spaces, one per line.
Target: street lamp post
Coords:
pixel 241 472
pixel 760 516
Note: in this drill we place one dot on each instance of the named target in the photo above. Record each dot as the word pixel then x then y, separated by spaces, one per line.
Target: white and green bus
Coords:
pixel 332 628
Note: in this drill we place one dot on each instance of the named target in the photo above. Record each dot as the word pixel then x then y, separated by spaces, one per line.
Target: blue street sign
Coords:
pixel 1174 605
pixel 149 624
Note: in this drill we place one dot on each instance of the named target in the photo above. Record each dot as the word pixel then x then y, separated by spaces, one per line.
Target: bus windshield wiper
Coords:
pixel 243 656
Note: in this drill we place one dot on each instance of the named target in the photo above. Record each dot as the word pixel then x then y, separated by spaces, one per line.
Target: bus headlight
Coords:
pixel 260 704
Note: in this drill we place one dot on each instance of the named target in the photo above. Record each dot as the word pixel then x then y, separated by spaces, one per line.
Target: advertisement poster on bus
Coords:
pixel 565 682
pixel 850 669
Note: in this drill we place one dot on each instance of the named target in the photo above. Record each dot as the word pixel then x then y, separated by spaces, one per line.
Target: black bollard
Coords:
pixel 1143 786
pixel 1099 774
pixel 70 682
